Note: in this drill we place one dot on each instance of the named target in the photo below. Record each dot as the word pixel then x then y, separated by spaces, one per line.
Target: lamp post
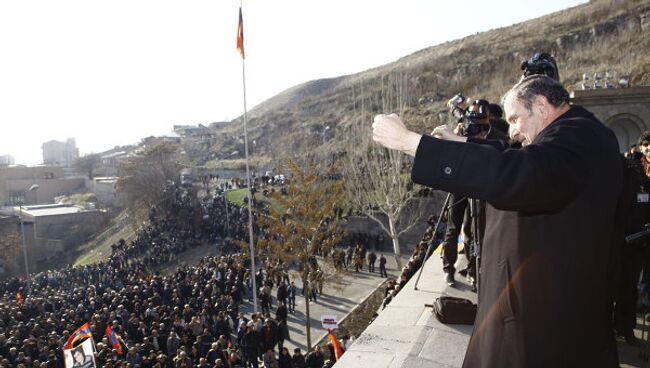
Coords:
pixel 22 231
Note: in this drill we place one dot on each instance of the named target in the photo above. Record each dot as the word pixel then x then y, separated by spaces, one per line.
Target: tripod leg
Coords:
pixel 445 207
pixel 478 246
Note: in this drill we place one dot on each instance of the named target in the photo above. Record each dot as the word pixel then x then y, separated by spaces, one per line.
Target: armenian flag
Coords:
pixel 335 343
pixel 78 334
pixel 240 35
pixel 113 338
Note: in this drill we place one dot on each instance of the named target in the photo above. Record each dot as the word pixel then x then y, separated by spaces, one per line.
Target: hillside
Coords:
pixel 599 36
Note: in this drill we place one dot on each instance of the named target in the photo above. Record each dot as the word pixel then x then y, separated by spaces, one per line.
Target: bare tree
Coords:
pixel 87 164
pixel 144 178
pixel 378 180
pixel 304 225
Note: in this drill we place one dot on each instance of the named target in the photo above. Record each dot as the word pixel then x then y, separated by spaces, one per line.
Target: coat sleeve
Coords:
pixel 541 177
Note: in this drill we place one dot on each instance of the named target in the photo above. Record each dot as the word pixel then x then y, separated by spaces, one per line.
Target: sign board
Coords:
pixel 329 322
pixel 80 356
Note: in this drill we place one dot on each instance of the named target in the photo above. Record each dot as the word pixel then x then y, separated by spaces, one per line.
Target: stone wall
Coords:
pixel 624 110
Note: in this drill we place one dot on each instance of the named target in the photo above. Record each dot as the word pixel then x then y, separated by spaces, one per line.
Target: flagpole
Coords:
pixel 248 181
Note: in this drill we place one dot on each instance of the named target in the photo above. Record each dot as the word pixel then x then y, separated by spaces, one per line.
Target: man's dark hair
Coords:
pixel 538 85
pixel 645 136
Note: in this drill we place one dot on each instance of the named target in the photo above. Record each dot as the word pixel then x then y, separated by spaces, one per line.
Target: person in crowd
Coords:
pixel 636 209
pixel 297 359
pixel 315 358
pixel 291 296
pixel 284 360
pixel 372 258
pixel 382 266
pixel 475 125
pixel 269 359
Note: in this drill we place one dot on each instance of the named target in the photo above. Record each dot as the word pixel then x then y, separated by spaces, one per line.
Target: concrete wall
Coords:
pixel 425 205
pixel 105 190
pixel 33 172
pixel 51 181
pixel 47 236
pixel 39 248
pixel 69 228
pixel 47 191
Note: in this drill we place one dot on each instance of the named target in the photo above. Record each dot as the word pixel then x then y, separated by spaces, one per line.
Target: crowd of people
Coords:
pixel 188 318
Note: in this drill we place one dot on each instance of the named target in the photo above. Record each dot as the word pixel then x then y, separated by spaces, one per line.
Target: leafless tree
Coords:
pixel 87 164
pixel 378 180
pixel 145 177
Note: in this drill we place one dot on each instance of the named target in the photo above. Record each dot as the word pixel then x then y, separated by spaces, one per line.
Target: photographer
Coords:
pixel 637 213
pixel 550 224
pixel 474 124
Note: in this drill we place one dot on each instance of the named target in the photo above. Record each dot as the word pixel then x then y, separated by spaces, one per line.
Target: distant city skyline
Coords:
pixel 109 74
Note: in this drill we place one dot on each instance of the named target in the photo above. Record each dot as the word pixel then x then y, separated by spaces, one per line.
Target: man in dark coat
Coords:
pixel 545 290
pixel 637 213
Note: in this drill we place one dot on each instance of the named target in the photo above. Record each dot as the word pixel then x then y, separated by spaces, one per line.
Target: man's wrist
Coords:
pixel 411 141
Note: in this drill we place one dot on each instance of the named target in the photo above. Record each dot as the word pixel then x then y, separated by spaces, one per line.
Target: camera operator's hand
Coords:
pixel 458 130
pixel 390 132
pixel 444 132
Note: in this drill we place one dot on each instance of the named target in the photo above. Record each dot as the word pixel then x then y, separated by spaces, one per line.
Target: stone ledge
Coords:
pixel 407 334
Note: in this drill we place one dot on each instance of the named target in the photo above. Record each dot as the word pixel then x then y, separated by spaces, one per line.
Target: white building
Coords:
pixel 60 153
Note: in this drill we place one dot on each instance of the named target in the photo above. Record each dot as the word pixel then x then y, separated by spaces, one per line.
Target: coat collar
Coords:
pixel 574 111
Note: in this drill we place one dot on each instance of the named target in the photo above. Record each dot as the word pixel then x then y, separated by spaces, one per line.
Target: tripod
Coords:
pixel 474 216
pixel 476 239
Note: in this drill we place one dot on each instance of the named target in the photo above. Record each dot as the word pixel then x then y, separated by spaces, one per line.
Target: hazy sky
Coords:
pixel 111 72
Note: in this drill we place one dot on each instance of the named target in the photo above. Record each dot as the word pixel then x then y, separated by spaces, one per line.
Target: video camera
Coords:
pixel 541 63
pixel 474 116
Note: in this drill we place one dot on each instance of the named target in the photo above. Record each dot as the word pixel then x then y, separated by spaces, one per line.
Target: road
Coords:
pixel 354 288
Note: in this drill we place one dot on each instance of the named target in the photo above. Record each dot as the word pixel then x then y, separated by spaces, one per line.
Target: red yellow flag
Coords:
pixel 19 296
pixel 335 343
pixel 240 35
pixel 80 333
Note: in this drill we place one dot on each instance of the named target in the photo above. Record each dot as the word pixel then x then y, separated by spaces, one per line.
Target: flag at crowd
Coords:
pixel 78 334
pixel 114 339
pixel 335 343
pixel 240 35
pixel 19 296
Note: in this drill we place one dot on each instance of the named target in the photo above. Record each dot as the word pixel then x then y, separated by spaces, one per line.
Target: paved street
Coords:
pixel 356 287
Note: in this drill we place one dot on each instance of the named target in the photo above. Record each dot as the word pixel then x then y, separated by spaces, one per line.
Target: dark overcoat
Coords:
pixel 548 252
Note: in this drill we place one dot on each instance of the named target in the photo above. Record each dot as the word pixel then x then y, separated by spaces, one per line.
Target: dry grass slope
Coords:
pixel 601 35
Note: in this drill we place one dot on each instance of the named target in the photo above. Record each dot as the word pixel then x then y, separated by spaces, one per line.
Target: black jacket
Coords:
pixel 548 246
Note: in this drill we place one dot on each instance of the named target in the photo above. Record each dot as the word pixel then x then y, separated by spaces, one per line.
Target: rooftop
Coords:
pixel 50 210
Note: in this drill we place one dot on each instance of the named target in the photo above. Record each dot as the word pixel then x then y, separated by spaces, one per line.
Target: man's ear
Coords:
pixel 541 106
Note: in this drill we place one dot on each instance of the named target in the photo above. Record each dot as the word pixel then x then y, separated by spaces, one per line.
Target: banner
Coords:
pixel 81 356
pixel 329 322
